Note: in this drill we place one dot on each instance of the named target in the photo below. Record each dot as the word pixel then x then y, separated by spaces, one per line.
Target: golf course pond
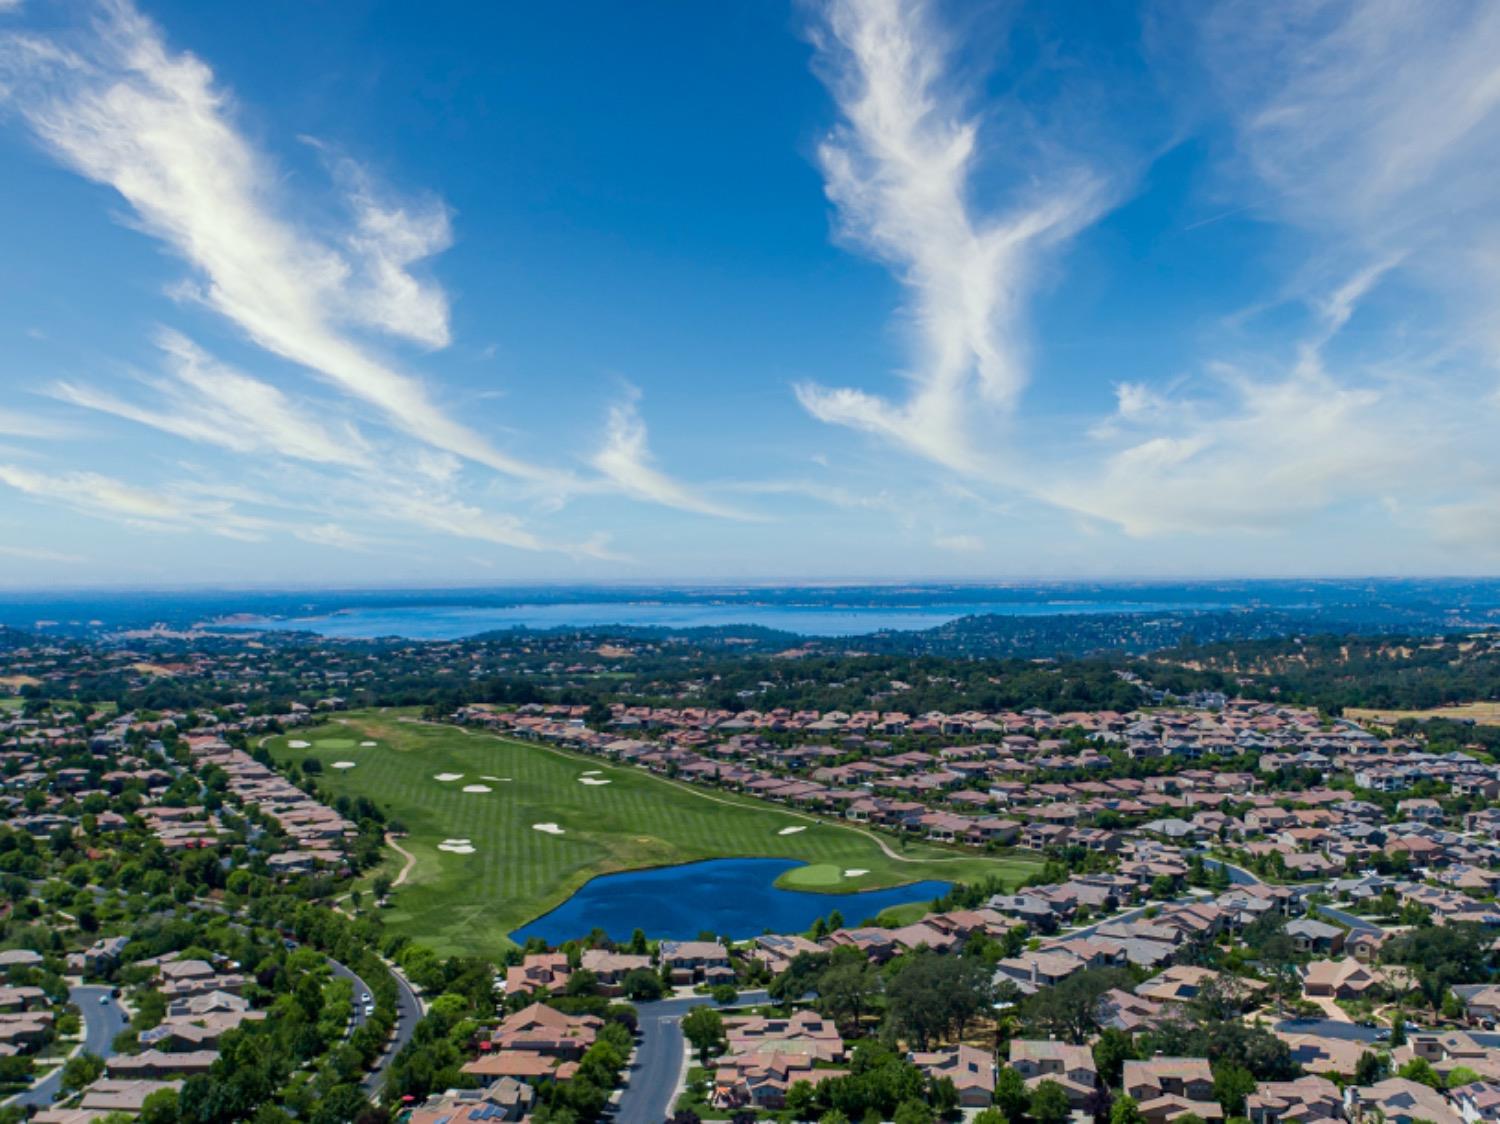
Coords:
pixel 737 898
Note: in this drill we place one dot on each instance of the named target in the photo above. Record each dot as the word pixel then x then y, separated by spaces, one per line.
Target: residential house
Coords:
pixel 1166 1088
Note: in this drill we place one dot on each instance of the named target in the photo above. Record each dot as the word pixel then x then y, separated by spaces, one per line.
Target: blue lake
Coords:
pixel 452 622
pixel 736 898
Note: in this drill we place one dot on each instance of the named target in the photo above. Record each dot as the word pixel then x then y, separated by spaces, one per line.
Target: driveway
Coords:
pixel 103 1019
pixel 647 1099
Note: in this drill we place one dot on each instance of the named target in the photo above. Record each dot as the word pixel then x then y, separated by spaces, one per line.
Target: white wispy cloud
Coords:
pixel 899 168
pixel 121 108
pixel 389 237
pixel 115 103
pixel 1372 127
pixel 625 459
pixel 96 494
pixel 206 401
pixel 1362 128
pixel 37 553
pixel 17 423
pixel 959 544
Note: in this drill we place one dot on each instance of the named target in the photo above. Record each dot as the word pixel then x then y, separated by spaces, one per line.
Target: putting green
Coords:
pixel 821 875
pixel 334 743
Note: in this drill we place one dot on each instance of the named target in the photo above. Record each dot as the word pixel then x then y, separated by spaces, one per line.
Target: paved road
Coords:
pixel 647 1099
pixel 1353 1032
pixel 1238 875
pixel 1331 1028
pixel 360 989
pixel 408 1014
pixel 102 1021
pixel 1353 920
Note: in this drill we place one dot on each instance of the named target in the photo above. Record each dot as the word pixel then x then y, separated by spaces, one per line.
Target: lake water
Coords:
pixel 736 898
pixel 452 622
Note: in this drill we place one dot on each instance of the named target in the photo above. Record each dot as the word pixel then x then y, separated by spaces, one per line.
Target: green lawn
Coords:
pixel 468 903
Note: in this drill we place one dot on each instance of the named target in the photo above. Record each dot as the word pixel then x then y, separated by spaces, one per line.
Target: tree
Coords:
pixel 1461 1075
pixel 1112 1050
pixel 1010 1093
pixel 704 1028
pixel 931 995
pixel 944 1097
pixel 160 1107
pixel 1232 1084
pixel 913 1111
pixel 1125 1110
pixel 798 977
pixel 80 1070
pixel 724 993
pixel 1049 1104
pixel 1070 1009
pixel 802 1101
pixel 989 1116
pixel 1371 1069
pixel 1420 1070
pixel 642 984
pixel 583 982
pixel 847 990
pixel 1398 1029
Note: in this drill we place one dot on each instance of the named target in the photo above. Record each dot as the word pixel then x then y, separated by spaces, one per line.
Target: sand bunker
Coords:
pixel 790 830
pixel 343 764
pixel 484 778
pixel 448 777
pixel 367 745
pixel 456 846
pixel 549 828
pixel 592 772
pixel 592 780
pixel 298 743
pixel 855 873
pixel 478 788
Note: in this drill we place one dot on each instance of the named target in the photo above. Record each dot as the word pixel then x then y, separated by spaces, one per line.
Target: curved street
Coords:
pixel 647 1099
pixel 103 1019
pixel 408 1014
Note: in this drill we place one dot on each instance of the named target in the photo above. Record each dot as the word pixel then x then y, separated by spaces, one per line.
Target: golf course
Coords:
pixel 501 831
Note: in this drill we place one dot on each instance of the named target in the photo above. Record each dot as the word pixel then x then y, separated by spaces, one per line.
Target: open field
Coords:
pixel 461 902
pixel 1484 713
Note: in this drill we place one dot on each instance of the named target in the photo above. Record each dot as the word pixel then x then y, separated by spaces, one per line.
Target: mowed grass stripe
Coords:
pixel 469 903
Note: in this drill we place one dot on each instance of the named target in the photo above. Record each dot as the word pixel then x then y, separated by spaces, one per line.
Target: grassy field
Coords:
pixel 469 902
pixel 1484 713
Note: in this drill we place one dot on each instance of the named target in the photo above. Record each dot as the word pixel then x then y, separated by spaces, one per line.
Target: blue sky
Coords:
pixel 375 293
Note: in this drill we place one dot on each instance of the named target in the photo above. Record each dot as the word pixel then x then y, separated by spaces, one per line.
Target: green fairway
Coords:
pixel 459 902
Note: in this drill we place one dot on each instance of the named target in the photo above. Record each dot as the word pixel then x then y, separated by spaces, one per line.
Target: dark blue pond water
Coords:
pixel 727 897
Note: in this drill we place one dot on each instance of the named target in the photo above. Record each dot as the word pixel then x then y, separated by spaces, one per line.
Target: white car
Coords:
pixel 369 1009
